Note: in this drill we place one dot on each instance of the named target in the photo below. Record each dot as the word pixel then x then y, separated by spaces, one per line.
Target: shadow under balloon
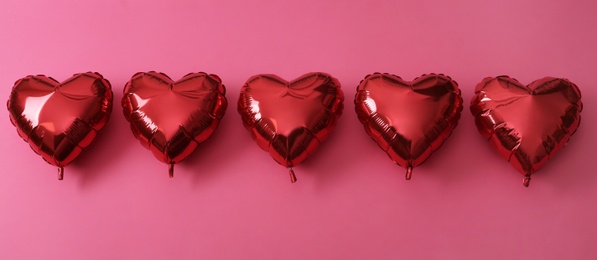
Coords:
pixel 335 157
pixel 206 162
pixel 109 147
pixel 572 169
pixel 349 145
pixel 211 159
pixel 454 160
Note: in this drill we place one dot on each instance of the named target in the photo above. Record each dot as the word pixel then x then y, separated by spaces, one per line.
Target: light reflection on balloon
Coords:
pixel 171 118
pixel 290 119
pixel 527 125
pixel 60 120
pixel 408 119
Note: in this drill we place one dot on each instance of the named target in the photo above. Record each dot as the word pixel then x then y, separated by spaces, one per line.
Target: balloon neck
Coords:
pixel 292 176
pixel 409 172
pixel 60 173
pixel 526 180
pixel 171 170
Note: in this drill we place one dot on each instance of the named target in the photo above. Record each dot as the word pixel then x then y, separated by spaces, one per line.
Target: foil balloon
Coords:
pixel 60 120
pixel 290 119
pixel 409 120
pixel 527 125
pixel 171 118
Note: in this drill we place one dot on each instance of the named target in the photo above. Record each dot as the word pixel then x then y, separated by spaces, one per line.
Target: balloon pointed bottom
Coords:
pixel 409 172
pixel 292 176
pixel 526 180
pixel 60 173
pixel 171 170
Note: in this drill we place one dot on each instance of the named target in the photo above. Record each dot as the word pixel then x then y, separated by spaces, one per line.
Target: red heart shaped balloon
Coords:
pixel 290 119
pixel 408 119
pixel 172 118
pixel 60 120
pixel 527 124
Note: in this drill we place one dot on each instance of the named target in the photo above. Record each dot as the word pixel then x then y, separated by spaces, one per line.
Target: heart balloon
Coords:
pixel 527 125
pixel 290 119
pixel 60 120
pixel 408 119
pixel 172 118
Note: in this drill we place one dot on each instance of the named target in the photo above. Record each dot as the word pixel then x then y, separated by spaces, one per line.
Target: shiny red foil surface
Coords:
pixel 171 118
pixel 60 120
pixel 408 119
pixel 527 124
pixel 290 119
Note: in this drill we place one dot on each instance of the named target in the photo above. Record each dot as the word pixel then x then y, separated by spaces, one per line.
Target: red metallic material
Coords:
pixel 60 120
pixel 408 119
pixel 171 118
pixel 527 125
pixel 290 119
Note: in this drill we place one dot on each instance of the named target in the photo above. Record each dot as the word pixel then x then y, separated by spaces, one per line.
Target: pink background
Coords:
pixel 230 200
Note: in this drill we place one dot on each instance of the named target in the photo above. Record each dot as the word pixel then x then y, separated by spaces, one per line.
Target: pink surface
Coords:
pixel 230 200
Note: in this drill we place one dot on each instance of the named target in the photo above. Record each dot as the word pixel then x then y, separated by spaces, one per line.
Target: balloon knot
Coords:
pixel 292 176
pixel 526 180
pixel 60 173
pixel 409 172
pixel 171 170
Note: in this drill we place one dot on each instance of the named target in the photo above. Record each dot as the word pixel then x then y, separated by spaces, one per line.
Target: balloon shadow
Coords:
pixel 212 156
pixel 335 156
pixel 455 159
pixel 571 170
pixel 103 154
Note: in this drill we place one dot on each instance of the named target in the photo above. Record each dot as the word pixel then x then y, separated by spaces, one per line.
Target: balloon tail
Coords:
pixel 60 173
pixel 526 180
pixel 171 170
pixel 409 172
pixel 292 176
